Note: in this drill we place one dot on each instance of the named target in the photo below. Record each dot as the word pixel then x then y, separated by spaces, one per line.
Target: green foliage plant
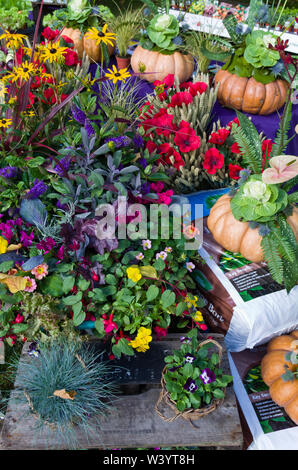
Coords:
pixel 193 377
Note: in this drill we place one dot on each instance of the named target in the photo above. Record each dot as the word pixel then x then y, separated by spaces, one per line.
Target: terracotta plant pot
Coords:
pixel 123 62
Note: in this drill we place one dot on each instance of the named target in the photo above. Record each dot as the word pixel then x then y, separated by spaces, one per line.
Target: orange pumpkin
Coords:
pixel 236 236
pixel 160 65
pixel 248 95
pixel 274 365
pixel 81 44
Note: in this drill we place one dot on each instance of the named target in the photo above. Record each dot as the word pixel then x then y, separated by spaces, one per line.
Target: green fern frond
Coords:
pixel 281 139
pixel 285 247
pixel 286 231
pixel 249 141
pixel 272 257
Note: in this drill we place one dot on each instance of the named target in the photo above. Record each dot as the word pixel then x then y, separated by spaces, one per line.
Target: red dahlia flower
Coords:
pixel 186 138
pixel 213 161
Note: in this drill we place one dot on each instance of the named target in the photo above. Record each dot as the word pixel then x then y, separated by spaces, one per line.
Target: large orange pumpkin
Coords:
pixel 81 44
pixel 248 95
pixel 236 236
pixel 160 65
pixel 274 365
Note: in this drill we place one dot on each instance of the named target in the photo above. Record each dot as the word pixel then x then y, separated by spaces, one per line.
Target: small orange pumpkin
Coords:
pixel 161 65
pixel 81 44
pixel 248 95
pixel 273 366
pixel 236 236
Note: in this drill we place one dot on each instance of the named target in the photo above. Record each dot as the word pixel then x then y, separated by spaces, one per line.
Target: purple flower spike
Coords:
pixel 189 358
pixel 190 385
pixel 9 172
pixel 39 187
pixel 207 376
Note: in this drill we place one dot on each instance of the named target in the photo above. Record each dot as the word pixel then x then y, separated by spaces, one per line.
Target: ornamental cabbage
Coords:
pixel 257 201
pixel 162 30
pixel 257 52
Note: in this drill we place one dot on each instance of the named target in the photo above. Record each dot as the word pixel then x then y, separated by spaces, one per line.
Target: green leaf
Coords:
pixel 72 299
pixel 122 347
pixel 78 314
pixel 217 393
pixel 152 293
pixel 168 298
pixel 68 284
pixel 6 266
pixel 99 326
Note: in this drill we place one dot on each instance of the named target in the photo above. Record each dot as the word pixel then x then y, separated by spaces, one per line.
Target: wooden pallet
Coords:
pixel 133 423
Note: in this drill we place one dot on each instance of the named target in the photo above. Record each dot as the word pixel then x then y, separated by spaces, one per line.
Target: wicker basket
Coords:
pixel 190 414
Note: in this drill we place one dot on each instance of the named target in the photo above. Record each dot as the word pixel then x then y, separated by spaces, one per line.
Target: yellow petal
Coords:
pixel 3 245
pixel 14 283
pixel 14 247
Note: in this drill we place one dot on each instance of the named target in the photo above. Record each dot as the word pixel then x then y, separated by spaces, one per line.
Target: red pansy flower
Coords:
pixel 234 171
pixel 213 161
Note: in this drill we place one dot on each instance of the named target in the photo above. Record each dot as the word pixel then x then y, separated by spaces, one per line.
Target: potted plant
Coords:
pixel 253 79
pixel 84 24
pixel 126 26
pixel 193 382
pixel 159 52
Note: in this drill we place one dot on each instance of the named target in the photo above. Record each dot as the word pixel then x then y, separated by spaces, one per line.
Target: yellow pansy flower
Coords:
pixel 3 245
pixel 198 316
pixel 134 273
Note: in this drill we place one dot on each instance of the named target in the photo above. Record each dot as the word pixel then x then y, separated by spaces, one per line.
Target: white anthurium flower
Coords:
pixel 282 169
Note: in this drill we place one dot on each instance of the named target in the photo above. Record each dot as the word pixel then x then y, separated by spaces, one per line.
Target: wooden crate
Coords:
pixel 133 422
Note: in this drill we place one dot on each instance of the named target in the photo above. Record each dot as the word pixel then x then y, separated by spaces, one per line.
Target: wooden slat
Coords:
pixel 132 423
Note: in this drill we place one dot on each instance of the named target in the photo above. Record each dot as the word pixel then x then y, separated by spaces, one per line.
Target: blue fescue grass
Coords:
pixel 72 367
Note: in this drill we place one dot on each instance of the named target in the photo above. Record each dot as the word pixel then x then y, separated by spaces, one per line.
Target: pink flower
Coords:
pixel 161 332
pixel 161 255
pixel 26 240
pixel 40 271
pixel 108 323
pixel 190 266
pixel 46 245
pixel 146 244
pixel 166 197
pixel 283 168
pixel 158 186
pixel 19 318
pixel 30 284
